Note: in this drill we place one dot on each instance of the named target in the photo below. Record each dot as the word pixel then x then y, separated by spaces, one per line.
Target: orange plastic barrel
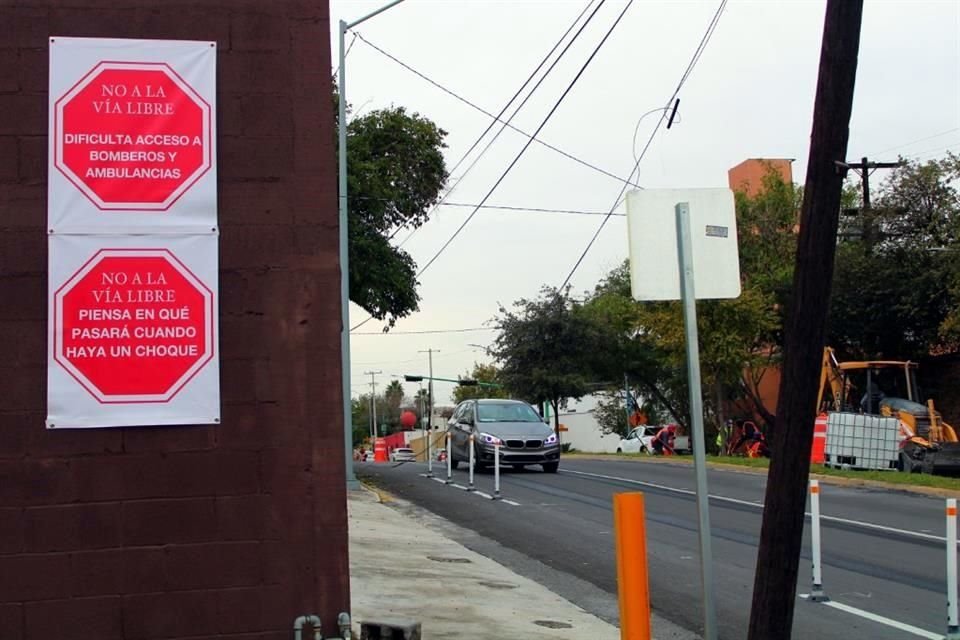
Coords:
pixel 380 450
pixel 819 439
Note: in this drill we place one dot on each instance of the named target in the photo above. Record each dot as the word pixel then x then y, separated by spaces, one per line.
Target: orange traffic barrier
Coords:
pixel 633 584
pixel 817 453
pixel 380 450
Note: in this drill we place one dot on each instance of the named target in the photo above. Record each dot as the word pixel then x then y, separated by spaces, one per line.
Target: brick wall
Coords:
pixel 748 175
pixel 185 532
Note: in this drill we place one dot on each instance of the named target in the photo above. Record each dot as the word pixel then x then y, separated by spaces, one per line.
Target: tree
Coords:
pixel 896 287
pixel 543 347
pixel 481 373
pixel 393 396
pixel 611 413
pixel 395 175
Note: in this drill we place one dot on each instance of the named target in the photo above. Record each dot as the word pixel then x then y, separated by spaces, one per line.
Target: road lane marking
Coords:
pixel 759 505
pixel 440 480
pixel 896 624
pixel 510 502
pixel 484 495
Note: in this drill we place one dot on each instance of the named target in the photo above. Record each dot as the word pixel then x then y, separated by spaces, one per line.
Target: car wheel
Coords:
pixel 550 467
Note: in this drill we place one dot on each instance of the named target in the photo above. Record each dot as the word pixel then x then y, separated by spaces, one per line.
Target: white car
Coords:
pixel 639 440
pixel 402 454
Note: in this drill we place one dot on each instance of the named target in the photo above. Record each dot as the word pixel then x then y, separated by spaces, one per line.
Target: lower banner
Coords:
pixel 133 331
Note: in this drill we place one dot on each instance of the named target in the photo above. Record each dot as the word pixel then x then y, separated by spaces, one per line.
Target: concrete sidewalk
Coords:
pixel 400 568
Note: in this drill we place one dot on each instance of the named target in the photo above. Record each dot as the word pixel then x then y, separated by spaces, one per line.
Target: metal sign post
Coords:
pixel 688 298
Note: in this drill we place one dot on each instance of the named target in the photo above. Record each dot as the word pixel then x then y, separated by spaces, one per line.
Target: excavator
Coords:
pixel 890 389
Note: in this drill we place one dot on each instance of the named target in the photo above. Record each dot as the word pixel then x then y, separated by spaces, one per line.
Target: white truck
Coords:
pixel 640 440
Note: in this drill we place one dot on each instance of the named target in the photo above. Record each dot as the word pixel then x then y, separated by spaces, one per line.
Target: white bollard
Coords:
pixel 470 486
pixel 953 624
pixel 449 460
pixel 496 471
pixel 816 592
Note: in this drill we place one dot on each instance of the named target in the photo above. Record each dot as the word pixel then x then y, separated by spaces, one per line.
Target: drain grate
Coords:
pixel 553 624
pixel 453 560
pixel 497 585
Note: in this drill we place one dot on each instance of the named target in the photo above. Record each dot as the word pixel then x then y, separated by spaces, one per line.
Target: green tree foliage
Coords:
pixel 611 413
pixel 544 349
pixel 393 397
pixel 896 290
pixel 481 373
pixel 395 175
pixel 739 338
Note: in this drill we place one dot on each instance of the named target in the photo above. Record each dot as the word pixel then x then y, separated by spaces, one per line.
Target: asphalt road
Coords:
pixel 882 550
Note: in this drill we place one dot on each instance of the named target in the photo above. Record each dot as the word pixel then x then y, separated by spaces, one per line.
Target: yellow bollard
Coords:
pixel 633 585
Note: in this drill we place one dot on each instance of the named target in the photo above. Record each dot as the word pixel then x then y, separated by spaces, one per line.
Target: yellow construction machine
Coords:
pixel 889 388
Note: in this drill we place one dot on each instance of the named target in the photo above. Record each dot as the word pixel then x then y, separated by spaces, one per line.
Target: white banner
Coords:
pixel 132 140
pixel 132 221
pixel 133 332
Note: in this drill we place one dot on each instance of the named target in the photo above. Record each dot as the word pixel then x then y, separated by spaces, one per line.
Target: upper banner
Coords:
pixel 132 135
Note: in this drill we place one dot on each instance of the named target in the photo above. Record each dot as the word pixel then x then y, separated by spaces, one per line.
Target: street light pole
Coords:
pixel 345 247
pixel 429 353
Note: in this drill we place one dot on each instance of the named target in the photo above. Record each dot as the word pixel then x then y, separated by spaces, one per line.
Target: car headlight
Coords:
pixel 489 439
pixel 551 439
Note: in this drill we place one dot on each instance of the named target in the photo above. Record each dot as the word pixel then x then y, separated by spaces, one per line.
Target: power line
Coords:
pixel 506 106
pixel 686 75
pixel 532 138
pixel 426 332
pixel 913 142
pixel 490 115
pixel 492 122
pixel 934 151
pixel 503 207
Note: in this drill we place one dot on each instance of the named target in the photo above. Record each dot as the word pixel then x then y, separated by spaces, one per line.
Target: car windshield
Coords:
pixel 506 412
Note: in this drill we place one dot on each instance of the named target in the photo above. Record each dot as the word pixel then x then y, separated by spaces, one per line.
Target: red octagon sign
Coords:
pixel 132 136
pixel 133 325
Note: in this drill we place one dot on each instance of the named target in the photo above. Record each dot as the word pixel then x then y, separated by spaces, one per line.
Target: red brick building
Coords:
pixel 154 533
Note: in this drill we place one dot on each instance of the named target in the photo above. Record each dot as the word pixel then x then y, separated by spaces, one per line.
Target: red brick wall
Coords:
pixel 175 532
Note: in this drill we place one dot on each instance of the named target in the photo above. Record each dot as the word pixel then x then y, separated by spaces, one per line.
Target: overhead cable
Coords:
pixel 475 106
pixel 526 146
pixel 683 79
pixel 494 120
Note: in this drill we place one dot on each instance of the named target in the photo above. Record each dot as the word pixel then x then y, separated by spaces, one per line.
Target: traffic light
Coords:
pixel 467 382
pixel 413 378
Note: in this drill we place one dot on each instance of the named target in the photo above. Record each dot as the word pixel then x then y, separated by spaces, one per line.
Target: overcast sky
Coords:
pixel 750 95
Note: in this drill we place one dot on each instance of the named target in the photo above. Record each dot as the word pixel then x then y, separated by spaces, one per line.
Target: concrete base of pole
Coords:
pixel 817 594
pixel 953 633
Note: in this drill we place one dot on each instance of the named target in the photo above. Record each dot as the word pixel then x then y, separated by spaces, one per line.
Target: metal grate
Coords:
pixel 534 444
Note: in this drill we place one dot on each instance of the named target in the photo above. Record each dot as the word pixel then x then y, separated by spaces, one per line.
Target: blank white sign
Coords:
pixel 652 234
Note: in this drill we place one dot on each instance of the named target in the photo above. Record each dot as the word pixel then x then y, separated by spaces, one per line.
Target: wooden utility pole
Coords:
pixel 865 169
pixel 778 557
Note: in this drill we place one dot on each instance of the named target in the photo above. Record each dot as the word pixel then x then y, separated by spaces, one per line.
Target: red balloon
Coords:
pixel 408 419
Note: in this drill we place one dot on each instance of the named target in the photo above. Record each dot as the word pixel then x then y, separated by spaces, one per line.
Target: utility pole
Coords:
pixel 781 536
pixel 865 169
pixel 373 403
pixel 429 353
